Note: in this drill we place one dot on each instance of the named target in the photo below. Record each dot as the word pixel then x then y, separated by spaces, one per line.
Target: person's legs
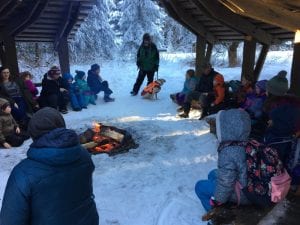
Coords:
pixel 194 95
pixel 14 140
pixel 62 99
pixel 150 77
pixel 19 113
pixel 51 101
pixel 107 91
pixel 138 82
pixel 205 189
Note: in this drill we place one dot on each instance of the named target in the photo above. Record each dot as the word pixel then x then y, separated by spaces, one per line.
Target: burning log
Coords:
pixel 106 139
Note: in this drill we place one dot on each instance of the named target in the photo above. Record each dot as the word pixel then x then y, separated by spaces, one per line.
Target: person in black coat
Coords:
pixel 203 92
pixel 53 185
pixel 97 84
pixel 54 91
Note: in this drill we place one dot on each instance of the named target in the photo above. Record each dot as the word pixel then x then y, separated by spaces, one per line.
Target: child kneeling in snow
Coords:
pixel 232 125
pixel 188 86
pixel 76 98
pixel 10 133
pixel 88 96
pixel 53 185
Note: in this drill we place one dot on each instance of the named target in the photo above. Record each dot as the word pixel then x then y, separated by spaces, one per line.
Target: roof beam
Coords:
pixel 266 12
pixel 218 12
pixel 7 7
pixel 68 23
pixel 200 29
pixel 36 10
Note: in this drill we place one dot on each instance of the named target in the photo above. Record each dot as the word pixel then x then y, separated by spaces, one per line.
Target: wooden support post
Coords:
pixel 248 58
pixel 260 61
pixel 295 73
pixel 8 53
pixel 208 52
pixel 200 54
pixel 63 55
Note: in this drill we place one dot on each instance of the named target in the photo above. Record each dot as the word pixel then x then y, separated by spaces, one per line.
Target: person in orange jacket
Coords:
pixel 215 101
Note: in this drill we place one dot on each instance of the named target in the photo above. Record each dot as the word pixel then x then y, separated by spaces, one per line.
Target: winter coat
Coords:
pixel 219 89
pixel 205 83
pixel 32 88
pixel 232 125
pixel 53 185
pixel 25 94
pixel 85 90
pixel 254 105
pixel 148 58
pixel 7 123
pixel 189 85
pixel 94 81
pixel 52 87
pixel 75 95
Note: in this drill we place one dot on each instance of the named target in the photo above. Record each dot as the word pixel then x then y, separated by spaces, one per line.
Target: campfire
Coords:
pixel 106 139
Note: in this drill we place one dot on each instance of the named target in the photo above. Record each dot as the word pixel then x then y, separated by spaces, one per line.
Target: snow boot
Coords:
pixel 133 93
pixel 184 115
pixel 109 99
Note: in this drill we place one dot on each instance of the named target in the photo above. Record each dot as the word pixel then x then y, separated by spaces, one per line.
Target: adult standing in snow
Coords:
pixel 97 84
pixel 53 185
pixel 147 62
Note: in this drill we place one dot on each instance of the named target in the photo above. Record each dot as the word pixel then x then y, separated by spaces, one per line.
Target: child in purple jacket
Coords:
pixel 27 78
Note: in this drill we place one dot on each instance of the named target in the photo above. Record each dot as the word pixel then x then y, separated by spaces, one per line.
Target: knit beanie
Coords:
pixel 95 67
pixel 79 74
pixel 44 121
pixel 146 37
pixel 262 85
pixel 54 70
pixel 278 85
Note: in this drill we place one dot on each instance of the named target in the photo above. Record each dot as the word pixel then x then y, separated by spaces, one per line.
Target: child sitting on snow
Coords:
pixel 188 86
pixel 76 98
pixel 10 133
pixel 84 88
pixel 27 78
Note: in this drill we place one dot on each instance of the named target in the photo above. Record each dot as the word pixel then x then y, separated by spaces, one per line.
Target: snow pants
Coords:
pixel 16 140
pixel 205 189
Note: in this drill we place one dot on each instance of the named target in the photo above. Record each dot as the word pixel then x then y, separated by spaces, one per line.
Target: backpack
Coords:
pixel 266 177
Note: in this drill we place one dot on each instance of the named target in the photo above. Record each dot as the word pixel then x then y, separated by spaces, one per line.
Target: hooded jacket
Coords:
pixel 232 125
pixel 53 185
pixel 7 123
pixel 148 57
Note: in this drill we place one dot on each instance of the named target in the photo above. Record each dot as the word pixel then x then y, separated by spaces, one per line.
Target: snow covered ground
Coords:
pixel 153 184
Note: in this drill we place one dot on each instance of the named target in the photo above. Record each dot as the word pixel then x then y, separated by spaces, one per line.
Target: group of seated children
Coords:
pixel 19 98
pixel 269 104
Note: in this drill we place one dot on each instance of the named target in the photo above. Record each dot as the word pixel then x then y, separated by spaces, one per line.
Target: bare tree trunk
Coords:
pixel 37 54
pixel 232 54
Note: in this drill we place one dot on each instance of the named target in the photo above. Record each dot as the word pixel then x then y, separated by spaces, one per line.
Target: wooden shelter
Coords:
pixel 53 21
pixel 252 21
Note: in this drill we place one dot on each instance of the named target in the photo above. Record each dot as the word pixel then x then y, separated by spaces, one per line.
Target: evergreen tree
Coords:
pixel 139 17
pixel 95 38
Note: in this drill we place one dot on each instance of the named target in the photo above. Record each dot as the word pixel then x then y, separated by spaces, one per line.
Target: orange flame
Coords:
pixel 96 127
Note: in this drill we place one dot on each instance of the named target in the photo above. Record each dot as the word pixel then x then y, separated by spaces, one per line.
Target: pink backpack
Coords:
pixel 280 186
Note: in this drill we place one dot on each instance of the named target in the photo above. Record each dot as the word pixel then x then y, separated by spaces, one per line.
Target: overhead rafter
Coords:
pixel 68 23
pixel 8 6
pixel 214 9
pixel 263 11
pixel 201 30
pixel 20 24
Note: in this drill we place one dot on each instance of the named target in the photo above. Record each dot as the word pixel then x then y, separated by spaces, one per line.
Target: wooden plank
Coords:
pixel 269 13
pixel 260 61
pixel 295 75
pixel 201 30
pixel 234 21
pixel 10 8
pixel 248 58
pixel 63 55
pixel 200 54
pixel 64 24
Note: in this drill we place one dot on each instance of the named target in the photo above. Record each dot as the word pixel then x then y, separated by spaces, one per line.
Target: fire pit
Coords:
pixel 107 139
